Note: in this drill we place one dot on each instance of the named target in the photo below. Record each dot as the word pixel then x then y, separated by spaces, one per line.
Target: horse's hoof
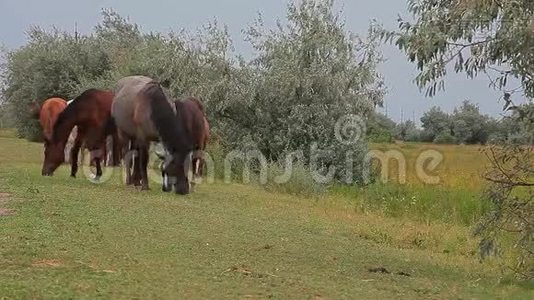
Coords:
pixel 145 188
pixel 72 176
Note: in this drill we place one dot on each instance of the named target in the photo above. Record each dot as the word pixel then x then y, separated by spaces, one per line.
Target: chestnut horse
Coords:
pixel 192 115
pixel 91 113
pixel 144 114
pixel 48 114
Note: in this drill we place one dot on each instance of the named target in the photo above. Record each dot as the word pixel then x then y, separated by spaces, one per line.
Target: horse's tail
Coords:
pixel 110 127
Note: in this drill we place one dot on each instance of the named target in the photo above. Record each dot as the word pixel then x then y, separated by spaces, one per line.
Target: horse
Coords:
pixel 109 160
pixel 144 114
pixel 90 112
pixel 48 113
pixel 194 118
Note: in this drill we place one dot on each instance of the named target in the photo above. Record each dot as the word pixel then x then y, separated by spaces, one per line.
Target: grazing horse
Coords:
pixel 48 114
pixel 91 114
pixel 110 160
pixel 191 113
pixel 144 114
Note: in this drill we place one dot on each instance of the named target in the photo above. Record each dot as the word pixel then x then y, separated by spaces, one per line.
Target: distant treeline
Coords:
pixel 465 125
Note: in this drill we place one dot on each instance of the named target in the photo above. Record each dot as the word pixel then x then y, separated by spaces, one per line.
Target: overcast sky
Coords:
pixel 16 16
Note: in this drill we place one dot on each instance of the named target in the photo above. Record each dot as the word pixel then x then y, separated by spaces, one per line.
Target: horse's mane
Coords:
pixel 198 102
pixel 172 132
pixel 65 117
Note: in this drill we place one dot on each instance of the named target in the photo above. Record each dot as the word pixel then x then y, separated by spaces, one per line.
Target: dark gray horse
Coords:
pixel 143 114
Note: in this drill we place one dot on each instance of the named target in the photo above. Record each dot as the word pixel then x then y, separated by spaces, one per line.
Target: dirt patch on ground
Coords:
pixel 4 198
pixel 4 212
pixel 47 263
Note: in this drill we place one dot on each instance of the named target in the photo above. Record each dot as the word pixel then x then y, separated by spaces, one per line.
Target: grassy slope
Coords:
pixel 70 238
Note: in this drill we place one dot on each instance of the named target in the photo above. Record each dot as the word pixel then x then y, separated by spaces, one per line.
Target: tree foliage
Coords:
pixel 310 73
pixel 435 122
pixel 407 131
pixel 380 128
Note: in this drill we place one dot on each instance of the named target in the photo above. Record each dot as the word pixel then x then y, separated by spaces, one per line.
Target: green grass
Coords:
pixel 70 238
pixel 428 204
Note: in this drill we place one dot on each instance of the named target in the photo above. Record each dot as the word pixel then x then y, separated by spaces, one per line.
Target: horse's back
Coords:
pixel 49 113
pixel 131 112
pixel 105 99
pixel 192 111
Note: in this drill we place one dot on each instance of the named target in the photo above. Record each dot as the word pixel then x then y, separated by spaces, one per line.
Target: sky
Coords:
pixel 403 100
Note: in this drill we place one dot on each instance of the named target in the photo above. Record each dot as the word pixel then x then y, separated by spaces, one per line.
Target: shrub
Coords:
pixel 444 138
pixel 300 181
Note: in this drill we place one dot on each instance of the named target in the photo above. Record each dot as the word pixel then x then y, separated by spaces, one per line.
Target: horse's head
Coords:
pixel 54 157
pixel 174 171
pixel 167 182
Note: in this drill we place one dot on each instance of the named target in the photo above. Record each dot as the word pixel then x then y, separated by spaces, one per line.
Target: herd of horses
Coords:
pixel 137 113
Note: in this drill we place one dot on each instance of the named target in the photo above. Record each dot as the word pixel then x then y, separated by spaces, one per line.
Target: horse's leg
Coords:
pixel 98 166
pixel 123 144
pixel 194 173
pixel 104 160
pixel 74 153
pixel 100 158
pixel 143 159
pixel 197 165
pixel 137 171
pixel 137 175
pixel 128 161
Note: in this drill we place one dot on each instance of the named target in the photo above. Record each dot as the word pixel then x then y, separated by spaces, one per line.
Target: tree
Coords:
pixel 408 132
pixel 50 64
pixel 511 129
pixel 494 38
pixel 469 125
pixel 311 75
pixel 434 122
pixel 380 128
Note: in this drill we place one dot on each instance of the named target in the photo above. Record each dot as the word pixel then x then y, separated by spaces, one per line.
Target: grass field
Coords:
pixel 462 165
pixel 69 238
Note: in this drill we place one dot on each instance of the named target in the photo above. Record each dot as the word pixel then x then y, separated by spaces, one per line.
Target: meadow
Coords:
pixel 70 238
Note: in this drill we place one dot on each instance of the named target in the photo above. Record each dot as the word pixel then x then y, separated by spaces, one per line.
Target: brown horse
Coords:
pixel 91 113
pixel 143 114
pixel 48 114
pixel 191 113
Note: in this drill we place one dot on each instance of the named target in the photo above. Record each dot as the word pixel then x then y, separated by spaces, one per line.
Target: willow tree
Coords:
pixel 51 63
pixel 494 38
pixel 310 74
